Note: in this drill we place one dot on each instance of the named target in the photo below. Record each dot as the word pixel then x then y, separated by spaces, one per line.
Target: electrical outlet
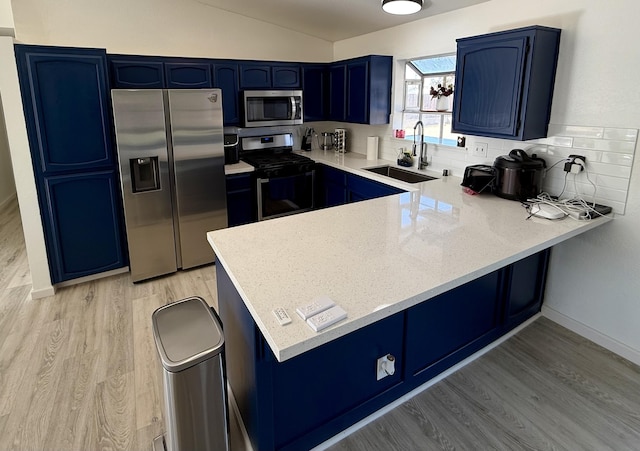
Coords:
pixel 575 164
pixel 479 149
pixel 385 366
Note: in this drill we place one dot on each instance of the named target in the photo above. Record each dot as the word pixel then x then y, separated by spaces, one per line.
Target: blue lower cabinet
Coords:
pixel 361 188
pixel 83 230
pixel 332 186
pixel 450 327
pixel 527 279
pixel 337 187
pixel 241 201
pixel 303 401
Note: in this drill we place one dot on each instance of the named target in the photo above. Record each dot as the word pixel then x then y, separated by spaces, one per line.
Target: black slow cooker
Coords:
pixel 518 176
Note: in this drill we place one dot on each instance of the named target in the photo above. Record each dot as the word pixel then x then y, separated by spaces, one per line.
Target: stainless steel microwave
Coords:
pixel 267 108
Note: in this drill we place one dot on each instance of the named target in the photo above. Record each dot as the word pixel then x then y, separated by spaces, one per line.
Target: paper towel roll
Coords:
pixel 372 148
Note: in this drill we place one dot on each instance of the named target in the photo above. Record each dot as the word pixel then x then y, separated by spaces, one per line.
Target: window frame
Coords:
pixel 421 110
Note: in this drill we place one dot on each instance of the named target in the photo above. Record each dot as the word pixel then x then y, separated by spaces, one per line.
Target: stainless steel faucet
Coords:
pixel 422 159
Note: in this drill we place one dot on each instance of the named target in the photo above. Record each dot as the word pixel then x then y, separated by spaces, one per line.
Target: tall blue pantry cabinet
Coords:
pixel 65 93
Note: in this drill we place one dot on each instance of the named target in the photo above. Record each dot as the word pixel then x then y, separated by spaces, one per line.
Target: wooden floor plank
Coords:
pixel 147 371
pixel 73 401
pixel 114 414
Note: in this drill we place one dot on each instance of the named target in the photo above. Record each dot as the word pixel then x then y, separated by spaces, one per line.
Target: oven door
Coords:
pixel 286 195
pixel 268 108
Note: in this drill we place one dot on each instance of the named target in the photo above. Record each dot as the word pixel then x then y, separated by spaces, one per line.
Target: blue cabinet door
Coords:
pixel 315 79
pixel 136 72
pixel 361 188
pixel 188 75
pixel 285 76
pixel 66 97
pixel 337 92
pixel 332 186
pixel 255 76
pixel 241 201
pixel 225 77
pixel 83 224
pixel 457 322
pixel 491 89
pixel 357 92
pixel 504 83
pixel 525 288
pixel 360 90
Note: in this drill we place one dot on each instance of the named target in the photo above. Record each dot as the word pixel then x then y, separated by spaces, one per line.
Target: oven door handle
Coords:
pixel 294 108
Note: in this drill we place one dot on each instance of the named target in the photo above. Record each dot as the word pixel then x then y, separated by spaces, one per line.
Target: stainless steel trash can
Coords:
pixel 190 342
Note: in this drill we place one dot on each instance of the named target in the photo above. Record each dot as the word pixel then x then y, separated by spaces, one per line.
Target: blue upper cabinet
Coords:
pixel 360 90
pixel 225 77
pixel 286 76
pixel 337 92
pixel 266 75
pixel 357 92
pixel 188 75
pixel 315 89
pixel 67 98
pixel 504 83
pixel 142 72
pixel 136 72
pixel 255 76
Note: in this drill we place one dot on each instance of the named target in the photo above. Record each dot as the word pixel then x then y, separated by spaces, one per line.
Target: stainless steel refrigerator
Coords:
pixel 170 148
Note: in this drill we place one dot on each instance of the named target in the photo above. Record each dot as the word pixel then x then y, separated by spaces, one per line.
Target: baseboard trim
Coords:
pixel 43 292
pixel 101 275
pixel 592 334
pixel 238 418
pixel 350 430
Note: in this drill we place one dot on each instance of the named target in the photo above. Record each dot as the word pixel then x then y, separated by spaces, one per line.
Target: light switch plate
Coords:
pixel 479 149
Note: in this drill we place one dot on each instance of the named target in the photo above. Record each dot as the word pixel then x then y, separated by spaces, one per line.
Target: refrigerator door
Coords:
pixel 198 157
pixel 146 187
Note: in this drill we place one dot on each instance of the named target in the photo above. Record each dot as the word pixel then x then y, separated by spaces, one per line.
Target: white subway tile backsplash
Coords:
pixel 609 169
pixel 575 131
pixel 607 181
pixel 559 141
pixel 606 145
pixel 622 159
pixel 623 134
pixel 609 153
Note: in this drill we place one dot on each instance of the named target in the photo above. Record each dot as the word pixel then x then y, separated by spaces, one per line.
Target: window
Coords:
pixel 420 76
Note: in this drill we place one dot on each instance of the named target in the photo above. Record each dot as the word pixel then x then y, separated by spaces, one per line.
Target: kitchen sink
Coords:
pixel 401 174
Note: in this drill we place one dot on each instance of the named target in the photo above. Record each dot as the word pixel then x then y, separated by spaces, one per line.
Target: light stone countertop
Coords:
pixel 238 168
pixel 377 257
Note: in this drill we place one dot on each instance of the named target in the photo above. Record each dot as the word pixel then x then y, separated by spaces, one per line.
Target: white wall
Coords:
pixel 6 18
pixel 7 184
pixel 161 27
pixel 23 170
pixel 593 285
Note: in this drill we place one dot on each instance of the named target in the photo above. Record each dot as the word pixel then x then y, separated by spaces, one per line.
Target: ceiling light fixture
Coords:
pixel 401 7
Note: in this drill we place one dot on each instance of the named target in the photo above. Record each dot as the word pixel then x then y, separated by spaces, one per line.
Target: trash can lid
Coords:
pixel 186 332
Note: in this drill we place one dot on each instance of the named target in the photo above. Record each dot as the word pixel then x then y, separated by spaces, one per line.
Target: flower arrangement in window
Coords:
pixel 441 91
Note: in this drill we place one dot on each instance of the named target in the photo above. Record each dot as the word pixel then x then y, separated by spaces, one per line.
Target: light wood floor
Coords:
pixel 79 371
